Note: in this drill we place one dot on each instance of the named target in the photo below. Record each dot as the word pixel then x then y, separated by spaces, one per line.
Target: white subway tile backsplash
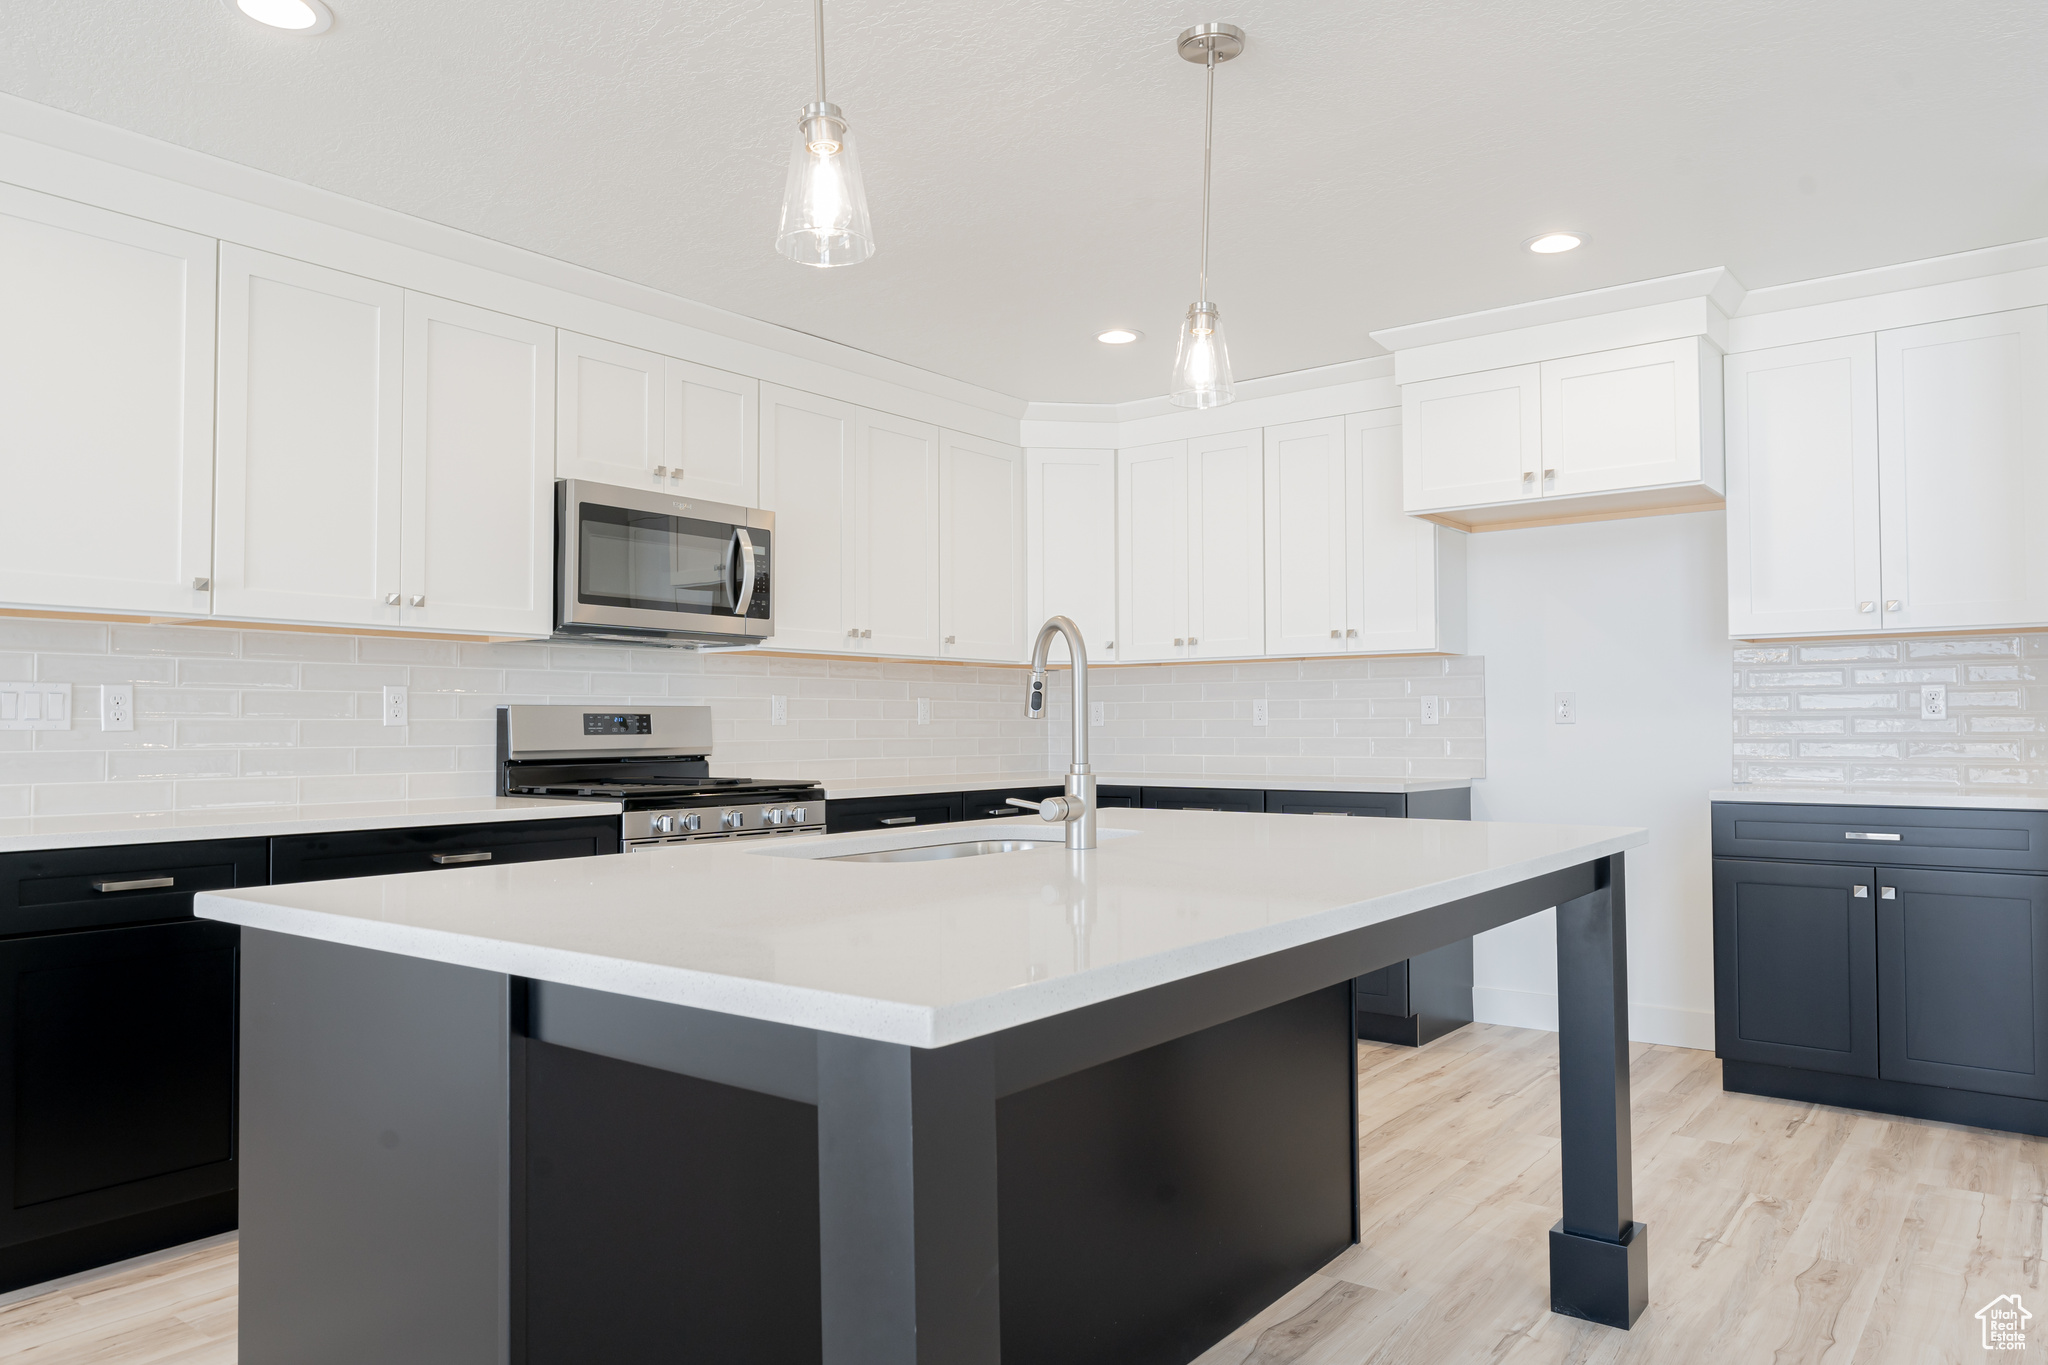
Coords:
pixel 1994 701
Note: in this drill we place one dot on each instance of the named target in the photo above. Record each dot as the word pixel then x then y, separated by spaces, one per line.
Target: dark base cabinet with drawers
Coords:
pixel 1409 1003
pixel 1880 958
pixel 118 1035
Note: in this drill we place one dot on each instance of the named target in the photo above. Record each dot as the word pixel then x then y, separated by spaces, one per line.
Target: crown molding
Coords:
pixel 2005 259
pixel 1717 285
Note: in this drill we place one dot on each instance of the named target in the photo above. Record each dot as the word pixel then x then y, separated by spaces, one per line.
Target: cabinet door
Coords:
pixel 106 381
pixel 1802 489
pixel 1226 545
pixel 895 537
pixel 806 457
pixel 1631 418
pixel 712 429
pixel 1152 551
pixel 981 549
pixel 1962 414
pixel 608 413
pixel 1070 544
pixel 117 1064
pixel 479 467
pixel 307 478
pixel 1407 589
pixel 1795 965
pixel 1962 969
pixel 1471 439
pixel 1307 569
pixel 892 812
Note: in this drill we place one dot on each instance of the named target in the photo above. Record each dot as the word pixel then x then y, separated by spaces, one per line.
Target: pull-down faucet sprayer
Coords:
pixel 1077 808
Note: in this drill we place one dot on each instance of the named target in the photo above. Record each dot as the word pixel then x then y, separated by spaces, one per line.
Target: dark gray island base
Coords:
pixel 451 1166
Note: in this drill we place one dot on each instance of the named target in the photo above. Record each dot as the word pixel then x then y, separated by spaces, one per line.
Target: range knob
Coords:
pixel 735 819
pixel 796 815
pixel 663 824
pixel 773 817
pixel 692 823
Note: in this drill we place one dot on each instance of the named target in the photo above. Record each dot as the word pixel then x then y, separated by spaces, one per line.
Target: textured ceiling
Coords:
pixel 1034 169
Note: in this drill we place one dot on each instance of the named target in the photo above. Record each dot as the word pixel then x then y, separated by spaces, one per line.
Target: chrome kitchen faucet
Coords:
pixel 1077 808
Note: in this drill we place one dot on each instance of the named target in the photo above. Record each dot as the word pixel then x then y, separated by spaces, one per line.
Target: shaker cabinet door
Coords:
pixel 1226 545
pixel 1152 551
pixel 312 365
pixel 106 383
pixel 895 536
pixel 1635 417
pixel 1307 556
pixel 1795 965
pixel 1407 588
pixel 1471 439
pixel 712 431
pixel 981 549
pixel 806 462
pixel 1071 544
pixel 609 413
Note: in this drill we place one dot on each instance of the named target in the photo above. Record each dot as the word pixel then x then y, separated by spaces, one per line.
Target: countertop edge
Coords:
pixel 284 826
pixel 1845 796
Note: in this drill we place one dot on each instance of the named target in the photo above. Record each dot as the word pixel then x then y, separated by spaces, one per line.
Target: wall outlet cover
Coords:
pixel 1259 712
pixel 924 710
pixel 1566 711
pixel 394 706
pixel 778 710
pixel 1095 712
pixel 117 706
pixel 1933 702
pixel 1432 710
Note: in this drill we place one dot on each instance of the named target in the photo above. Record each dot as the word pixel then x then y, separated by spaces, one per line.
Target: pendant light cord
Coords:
pixel 1208 134
pixel 821 50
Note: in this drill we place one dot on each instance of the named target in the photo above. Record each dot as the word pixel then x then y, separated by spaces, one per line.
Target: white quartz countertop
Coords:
pixel 850 789
pixel 1884 796
pixel 925 953
pixel 102 831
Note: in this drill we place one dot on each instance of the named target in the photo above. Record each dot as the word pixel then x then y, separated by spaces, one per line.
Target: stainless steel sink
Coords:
pixel 931 853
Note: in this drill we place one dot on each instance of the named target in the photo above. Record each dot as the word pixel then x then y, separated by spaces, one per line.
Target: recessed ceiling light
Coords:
pixel 301 17
pixel 1550 243
pixel 1119 336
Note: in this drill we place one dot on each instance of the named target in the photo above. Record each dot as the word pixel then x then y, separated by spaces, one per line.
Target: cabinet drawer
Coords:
pixel 1119 798
pixel 990 805
pixel 1391 804
pixel 1204 798
pixel 379 852
pixel 892 812
pixel 88 888
pixel 1884 836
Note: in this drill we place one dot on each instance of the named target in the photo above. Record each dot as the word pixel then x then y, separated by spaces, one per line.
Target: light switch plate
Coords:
pixel 117 706
pixel 35 706
pixel 394 706
pixel 1567 709
pixel 924 710
pixel 1259 711
pixel 1432 710
pixel 1933 702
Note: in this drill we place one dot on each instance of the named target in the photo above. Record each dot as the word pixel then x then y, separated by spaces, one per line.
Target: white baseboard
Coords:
pixel 1646 1023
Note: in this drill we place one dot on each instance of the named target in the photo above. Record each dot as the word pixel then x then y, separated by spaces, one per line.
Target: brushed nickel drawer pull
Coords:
pixel 450 859
pixel 1872 838
pixel 899 819
pixel 133 883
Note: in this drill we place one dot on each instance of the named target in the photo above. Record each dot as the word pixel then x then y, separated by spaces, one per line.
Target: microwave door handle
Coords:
pixel 744 547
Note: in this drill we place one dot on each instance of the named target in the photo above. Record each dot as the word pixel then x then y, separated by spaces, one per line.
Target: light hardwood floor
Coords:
pixel 1779 1232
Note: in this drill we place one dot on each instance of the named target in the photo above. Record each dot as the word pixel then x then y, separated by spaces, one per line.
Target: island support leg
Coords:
pixel 1599 1254
pixel 907 1203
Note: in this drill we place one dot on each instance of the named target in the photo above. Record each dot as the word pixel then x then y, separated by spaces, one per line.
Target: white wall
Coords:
pixel 1632 616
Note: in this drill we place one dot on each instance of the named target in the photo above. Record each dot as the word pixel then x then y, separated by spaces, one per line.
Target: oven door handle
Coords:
pixel 743 550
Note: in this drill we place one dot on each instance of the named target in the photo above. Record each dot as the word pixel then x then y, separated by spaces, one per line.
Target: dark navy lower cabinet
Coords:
pixel 1845 976
pixel 381 852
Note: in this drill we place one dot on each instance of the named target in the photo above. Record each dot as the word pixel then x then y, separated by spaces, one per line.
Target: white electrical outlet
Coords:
pixel 1259 713
pixel 1095 712
pixel 35 706
pixel 1432 708
pixel 924 710
pixel 1567 710
pixel 778 710
pixel 394 706
pixel 117 706
pixel 1933 702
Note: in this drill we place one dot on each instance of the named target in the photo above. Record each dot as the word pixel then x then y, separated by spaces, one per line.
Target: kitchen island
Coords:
pixel 758 1101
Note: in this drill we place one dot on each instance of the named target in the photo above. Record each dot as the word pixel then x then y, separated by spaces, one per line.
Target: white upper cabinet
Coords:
pixel 1803 489
pixel 639 420
pixel 1627 429
pixel 1070 544
pixel 1306 578
pixel 895 539
pixel 1152 551
pixel 307 472
pixel 1226 545
pixel 1472 439
pixel 711 428
pixel 807 445
pixel 1406 576
pixel 1963 472
pixel 1895 481
pixel 981 549
pixel 106 383
pixel 609 413
pixel 478 471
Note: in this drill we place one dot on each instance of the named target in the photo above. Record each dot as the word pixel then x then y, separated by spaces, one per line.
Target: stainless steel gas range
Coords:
pixel 654 759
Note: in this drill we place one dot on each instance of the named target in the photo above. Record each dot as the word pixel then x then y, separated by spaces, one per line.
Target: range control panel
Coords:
pixel 646 827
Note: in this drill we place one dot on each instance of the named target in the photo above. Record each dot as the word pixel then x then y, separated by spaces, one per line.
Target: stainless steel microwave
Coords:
pixel 657 568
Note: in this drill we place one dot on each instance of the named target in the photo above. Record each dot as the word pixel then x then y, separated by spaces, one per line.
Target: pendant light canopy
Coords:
pixel 1201 363
pixel 824 207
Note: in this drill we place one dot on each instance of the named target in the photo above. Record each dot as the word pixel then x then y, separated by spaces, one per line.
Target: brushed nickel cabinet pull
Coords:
pixel 104 884
pixel 450 859
pixel 899 819
pixel 1871 838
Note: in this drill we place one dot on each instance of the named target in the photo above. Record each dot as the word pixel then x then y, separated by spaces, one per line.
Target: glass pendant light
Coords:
pixel 1201 363
pixel 824 207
